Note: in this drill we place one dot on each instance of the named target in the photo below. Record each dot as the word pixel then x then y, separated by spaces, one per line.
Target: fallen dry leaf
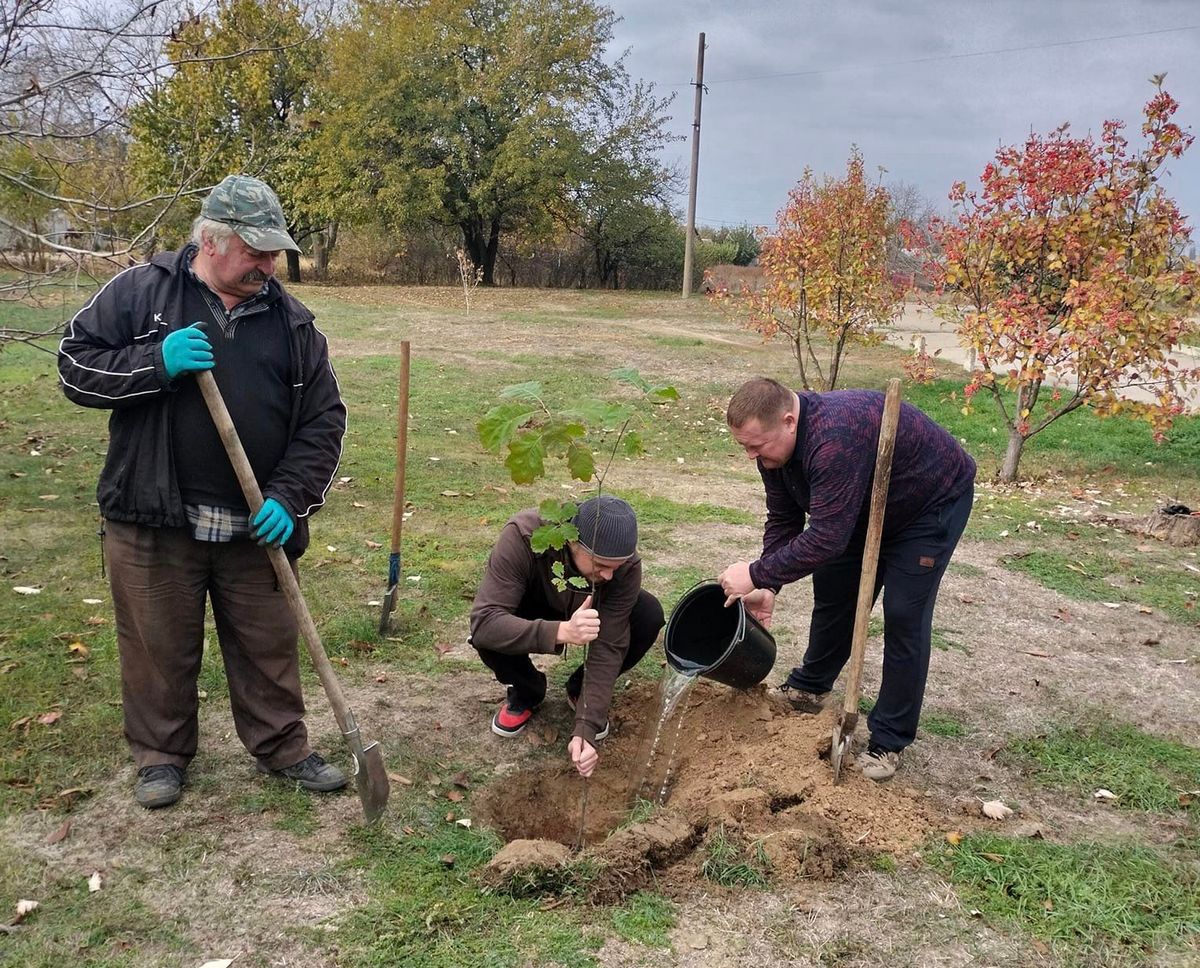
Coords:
pixel 93 601
pixel 994 858
pixel 26 590
pixel 397 778
pixel 358 504
pixel 218 963
pixel 79 649
pixel 97 620
pixel 447 860
pixel 460 779
pixel 94 882
pixel 997 810
pixel 60 833
pixel 382 677
pixel 1111 604
pixel 444 648
pixel 451 494
pixel 49 719
pixel 373 544
pixel 454 796
pixel 451 816
pixel 464 822
pixel 25 907
pixel 954 837
pixel 1036 654
pixel 1103 794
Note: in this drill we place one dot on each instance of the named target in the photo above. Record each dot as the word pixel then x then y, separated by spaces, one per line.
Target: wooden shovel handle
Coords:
pixel 401 449
pixel 870 562
pixel 279 560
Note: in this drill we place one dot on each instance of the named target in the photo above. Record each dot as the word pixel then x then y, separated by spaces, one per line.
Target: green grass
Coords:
pixel 1097 904
pixel 946 726
pixel 426 911
pixel 1092 575
pixel 1145 772
pixel 732 864
pixel 884 863
pixel 1078 443
pixel 941 640
pixel 645 918
pixel 288 807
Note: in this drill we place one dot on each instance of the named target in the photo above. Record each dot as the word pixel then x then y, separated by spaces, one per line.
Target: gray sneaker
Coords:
pixel 159 785
pixel 803 701
pixel 878 764
pixel 312 773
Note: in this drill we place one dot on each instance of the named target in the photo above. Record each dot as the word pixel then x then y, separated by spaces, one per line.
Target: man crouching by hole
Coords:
pixel 519 612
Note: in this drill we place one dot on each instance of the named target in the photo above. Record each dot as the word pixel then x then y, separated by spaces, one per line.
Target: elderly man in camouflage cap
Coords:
pixel 177 528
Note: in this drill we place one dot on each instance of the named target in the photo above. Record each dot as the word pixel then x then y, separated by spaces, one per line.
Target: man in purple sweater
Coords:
pixel 816 453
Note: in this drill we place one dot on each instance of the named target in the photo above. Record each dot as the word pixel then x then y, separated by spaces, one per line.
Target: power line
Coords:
pixel 942 57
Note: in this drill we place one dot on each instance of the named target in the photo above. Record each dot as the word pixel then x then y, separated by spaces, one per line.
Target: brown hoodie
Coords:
pixel 517 611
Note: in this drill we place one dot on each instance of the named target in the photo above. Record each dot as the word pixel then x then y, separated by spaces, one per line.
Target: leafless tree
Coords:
pixel 70 71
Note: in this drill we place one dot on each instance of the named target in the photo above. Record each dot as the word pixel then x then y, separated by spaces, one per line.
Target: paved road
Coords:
pixel 918 321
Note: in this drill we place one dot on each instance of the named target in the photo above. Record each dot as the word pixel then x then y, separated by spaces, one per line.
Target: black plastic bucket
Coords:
pixel 704 638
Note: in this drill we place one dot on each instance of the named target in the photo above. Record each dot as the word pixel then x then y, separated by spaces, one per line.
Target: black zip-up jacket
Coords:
pixel 111 358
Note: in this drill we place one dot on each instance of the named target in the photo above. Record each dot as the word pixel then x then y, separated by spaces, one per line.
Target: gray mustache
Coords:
pixel 255 276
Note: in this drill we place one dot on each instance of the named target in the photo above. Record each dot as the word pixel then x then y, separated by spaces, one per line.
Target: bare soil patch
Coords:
pixel 746 768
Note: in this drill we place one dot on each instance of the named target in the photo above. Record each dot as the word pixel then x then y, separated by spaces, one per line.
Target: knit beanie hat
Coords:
pixel 607 527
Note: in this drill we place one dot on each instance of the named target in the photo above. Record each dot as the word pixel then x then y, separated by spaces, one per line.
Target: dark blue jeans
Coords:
pixel 911 565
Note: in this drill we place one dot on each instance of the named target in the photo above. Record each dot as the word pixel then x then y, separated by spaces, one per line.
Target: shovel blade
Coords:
pixel 838 751
pixel 389 604
pixel 370 776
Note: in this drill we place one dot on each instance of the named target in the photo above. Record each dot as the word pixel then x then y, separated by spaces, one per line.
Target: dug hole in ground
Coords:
pixel 749 780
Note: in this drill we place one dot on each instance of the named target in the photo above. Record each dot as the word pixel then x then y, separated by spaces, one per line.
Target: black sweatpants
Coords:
pixel 527 686
pixel 911 566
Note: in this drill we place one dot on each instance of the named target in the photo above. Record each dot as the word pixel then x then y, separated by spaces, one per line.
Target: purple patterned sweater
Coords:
pixel 829 480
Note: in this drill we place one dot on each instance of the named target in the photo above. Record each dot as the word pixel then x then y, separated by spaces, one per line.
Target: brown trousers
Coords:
pixel 160 579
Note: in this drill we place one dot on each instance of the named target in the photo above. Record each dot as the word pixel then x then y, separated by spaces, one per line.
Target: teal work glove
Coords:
pixel 272 525
pixel 186 351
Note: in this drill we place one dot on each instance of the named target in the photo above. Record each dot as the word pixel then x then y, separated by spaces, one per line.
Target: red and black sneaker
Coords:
pixel 512 717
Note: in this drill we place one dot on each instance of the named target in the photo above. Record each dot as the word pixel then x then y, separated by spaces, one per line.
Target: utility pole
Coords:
pixel 689 243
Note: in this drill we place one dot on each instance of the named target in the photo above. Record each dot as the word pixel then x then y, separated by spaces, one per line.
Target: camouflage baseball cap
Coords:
pixel 253 210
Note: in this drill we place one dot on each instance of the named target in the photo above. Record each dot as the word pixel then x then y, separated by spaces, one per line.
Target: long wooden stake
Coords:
pixel 393 591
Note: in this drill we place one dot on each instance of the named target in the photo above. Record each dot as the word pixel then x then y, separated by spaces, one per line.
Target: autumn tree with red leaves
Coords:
pixel 1066 274
pixel 827 285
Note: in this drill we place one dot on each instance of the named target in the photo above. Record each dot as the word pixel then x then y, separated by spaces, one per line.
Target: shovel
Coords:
pixel 370 774
pixel 843 730
pixel 389 600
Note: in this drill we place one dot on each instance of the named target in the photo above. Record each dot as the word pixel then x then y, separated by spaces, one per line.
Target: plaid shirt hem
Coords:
pixel 211 523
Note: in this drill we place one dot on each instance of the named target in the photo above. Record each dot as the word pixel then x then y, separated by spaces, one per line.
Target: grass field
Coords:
pixel 1048 622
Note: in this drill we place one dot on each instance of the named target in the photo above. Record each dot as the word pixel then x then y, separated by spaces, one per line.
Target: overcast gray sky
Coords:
pixel 930 122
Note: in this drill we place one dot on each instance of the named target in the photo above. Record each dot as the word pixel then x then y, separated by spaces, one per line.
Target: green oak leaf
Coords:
pixel 526 460
pixel 500 423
